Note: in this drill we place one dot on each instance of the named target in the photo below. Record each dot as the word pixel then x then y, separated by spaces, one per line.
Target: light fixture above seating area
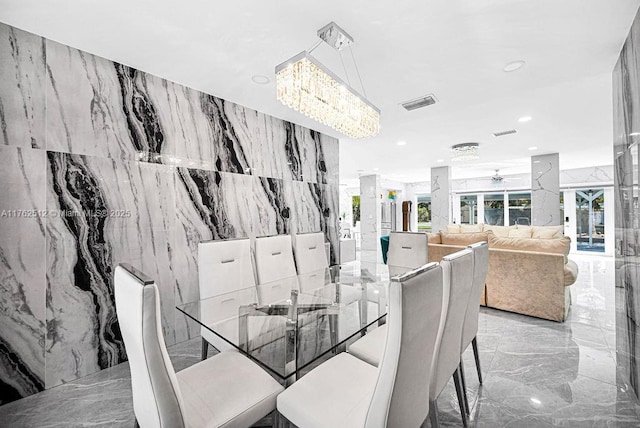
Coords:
pixel 304 84
pixel 465 152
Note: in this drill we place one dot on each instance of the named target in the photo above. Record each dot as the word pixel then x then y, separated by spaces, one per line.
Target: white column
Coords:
pixel 370 217
pixel 480 208
pixel 545 190
pixel 455 202
pixel 440 198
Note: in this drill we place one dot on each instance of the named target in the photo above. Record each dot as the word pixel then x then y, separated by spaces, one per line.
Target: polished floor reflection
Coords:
pixel 537 373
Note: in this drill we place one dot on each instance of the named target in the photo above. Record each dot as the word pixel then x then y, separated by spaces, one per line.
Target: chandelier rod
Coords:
pixel 364 91
pixel 314 46
pixel 344 67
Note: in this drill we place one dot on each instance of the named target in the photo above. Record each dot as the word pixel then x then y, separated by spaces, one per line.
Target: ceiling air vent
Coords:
pixel 502 133
pixel 427 100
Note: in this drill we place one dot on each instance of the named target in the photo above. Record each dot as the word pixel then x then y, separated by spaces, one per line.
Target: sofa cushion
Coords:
pixel 520 233
pixel 502 231
pixel 453 228
pixel 570 272
pixel 434 238
pixel 463 239
pixel 555 246
pixel 470 228
pixel 547 232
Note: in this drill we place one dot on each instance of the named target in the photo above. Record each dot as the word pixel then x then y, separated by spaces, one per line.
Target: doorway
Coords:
pixel 590 220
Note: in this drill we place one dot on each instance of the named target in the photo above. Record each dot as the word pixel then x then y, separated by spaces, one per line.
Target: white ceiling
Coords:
pixel 455 49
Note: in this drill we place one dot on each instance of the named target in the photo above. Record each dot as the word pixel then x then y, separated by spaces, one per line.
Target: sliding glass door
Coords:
pixel 590 220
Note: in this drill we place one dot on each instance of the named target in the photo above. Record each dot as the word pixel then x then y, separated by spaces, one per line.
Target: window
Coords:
pixel 424 214
pixel 469 209
pixel 355 203
pixel 520 208
pixel 494 209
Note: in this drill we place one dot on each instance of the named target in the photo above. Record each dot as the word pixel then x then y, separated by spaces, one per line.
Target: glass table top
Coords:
pixel 286 325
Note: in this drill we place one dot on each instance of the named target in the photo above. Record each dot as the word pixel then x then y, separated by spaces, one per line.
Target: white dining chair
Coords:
pixel 224 266
pixel 212 393
pixel 470 329
pixel 457 273
pixel 274 263
pixel 311 261
pixel 347 392
pixel 407 250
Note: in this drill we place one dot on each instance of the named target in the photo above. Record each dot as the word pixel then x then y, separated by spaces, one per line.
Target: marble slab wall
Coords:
pixel 100 164
pixel 440 198
pixel 626 127
pixel 545 190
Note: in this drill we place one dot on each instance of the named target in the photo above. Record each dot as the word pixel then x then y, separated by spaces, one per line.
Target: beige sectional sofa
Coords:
pixel 529 272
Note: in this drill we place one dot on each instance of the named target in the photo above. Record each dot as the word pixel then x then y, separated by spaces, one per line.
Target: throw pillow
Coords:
pixel 502 231
pixel 547 232
pixel 519 233
pixel 463 239
pixel 453 228
pixel 555 246
pixel 470 228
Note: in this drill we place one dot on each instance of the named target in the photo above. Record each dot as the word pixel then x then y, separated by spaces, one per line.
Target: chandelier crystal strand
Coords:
pixel 303 84
pixel 465 152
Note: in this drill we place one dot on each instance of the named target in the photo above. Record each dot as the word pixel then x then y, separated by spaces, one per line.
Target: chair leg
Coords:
pixel 464 387
pixel 433 414
pixel 476 354
pixel 458 382
pixel 205 349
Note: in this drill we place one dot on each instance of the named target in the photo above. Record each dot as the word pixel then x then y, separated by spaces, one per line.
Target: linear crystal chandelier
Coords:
pixel 304 84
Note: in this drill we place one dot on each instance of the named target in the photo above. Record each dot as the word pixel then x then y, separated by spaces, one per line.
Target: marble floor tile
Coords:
pixel 537 373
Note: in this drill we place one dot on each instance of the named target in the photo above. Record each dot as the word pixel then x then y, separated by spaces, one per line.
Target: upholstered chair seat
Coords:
pixel 227 390
pixel 348 392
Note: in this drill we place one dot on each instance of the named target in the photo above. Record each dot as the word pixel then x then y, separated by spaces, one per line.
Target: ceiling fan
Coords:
pixel 497 178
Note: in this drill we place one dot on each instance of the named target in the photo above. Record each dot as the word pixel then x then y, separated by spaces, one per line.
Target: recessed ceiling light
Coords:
pixel 376 169
pixel 525 119
pixel 440 160
pixel 532 148
pixel 402 143
pixel 260 79
pixel 513 66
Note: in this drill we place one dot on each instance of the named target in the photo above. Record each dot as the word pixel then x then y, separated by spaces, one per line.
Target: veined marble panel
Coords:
pixel 22 94
pixel 307 217
pixel 274 211
pixel 545 190
pixel 100 108
pixel 626 127
pixel 210 205
pixel 595 174
pixel 22 272
pixel 440 194
pixel 101 212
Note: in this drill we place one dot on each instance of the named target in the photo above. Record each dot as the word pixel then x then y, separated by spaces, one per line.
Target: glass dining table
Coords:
pixel 288 325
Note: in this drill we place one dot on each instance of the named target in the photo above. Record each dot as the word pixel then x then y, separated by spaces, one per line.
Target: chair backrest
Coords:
pixel 401 397
pixel 457 274
pixel 157 401
pixel 274 263
pixel 309 250
pixel 224 266
pixel 407 250
pixel 480 268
